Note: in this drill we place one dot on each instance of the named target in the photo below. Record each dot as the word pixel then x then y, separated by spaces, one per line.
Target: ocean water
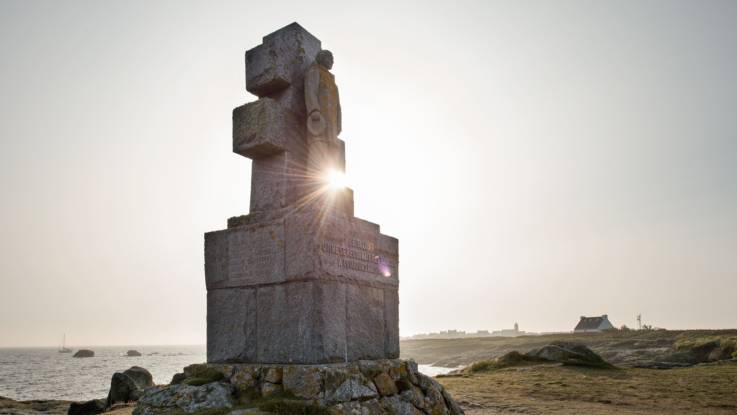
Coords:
pixel 44 373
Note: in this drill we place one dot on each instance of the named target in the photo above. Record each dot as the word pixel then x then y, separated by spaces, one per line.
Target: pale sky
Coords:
pixel 538 161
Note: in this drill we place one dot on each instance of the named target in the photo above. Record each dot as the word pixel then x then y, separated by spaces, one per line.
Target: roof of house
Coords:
pixel 590 323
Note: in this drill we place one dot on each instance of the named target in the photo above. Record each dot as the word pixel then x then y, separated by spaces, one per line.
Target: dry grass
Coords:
pixel 555 389
pixel 622 348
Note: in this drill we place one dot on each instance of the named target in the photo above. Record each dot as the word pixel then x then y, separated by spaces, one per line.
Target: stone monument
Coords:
pixel 299 279
pixel 302 305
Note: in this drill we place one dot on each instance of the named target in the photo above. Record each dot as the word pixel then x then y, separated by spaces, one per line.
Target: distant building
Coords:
pixel 457 334
pixel 593 324
pixel 509 332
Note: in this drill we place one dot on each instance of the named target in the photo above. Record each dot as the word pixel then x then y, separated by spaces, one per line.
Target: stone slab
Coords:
pixel 287 324
pixel 231 325
pixel 391 323
pixel 269 182
pixel 245 256
pixel 365 324
pixel 281 60
pixel 263 128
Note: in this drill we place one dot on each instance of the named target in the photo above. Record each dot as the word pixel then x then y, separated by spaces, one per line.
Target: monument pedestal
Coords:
pixel 388 386
pixel 303 286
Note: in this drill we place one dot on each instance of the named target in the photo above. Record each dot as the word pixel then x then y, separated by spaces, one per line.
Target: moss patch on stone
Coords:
pixel 203 376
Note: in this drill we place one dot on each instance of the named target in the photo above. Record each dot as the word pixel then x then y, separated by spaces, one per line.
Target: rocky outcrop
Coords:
pixel 126 386
pixel 391 387
pixel 568 353
pixel 84 353
pixel 133 353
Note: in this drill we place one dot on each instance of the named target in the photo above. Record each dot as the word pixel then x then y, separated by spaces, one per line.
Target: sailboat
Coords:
pixel 63 348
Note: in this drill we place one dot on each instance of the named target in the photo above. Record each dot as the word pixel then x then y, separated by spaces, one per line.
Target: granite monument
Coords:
pixel 300 279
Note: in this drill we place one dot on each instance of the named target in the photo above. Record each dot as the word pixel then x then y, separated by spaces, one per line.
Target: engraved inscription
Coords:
pixel 359 255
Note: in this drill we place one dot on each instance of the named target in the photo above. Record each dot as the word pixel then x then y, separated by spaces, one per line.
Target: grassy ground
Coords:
pixel 554 389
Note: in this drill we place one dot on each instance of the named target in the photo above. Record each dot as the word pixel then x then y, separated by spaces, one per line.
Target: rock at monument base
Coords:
pixel 95 406
pixel 367 387
pixel 189 399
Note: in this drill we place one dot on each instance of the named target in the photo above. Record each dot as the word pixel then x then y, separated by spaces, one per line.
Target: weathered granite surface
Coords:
pixel 299 279
pixel 364 387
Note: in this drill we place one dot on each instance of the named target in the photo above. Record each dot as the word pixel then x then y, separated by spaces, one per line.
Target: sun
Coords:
pixel 335 179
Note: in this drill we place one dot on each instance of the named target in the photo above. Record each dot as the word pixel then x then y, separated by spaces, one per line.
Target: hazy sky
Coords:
pixel 538 161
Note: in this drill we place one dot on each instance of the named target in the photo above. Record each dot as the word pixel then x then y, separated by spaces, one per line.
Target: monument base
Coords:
pixel 366 387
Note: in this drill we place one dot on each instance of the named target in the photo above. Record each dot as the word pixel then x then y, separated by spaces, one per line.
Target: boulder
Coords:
pixel 133 353
pixel 244 380
pixel 84 353
pixel 270 389
pixel 354 387
pixel 303 381
pixel 273 375
pixel 93 407
pixel 414 396
pixel 568 353
pixel 385 384
pixel 394 405
pixel 141 376
pixel 129 385
pixel 122 389
pixel 178 378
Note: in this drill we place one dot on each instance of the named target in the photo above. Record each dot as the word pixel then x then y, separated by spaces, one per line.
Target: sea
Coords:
pixel 44 373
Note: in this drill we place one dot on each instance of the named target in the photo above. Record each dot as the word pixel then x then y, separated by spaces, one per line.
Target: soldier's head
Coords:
pixel 325 59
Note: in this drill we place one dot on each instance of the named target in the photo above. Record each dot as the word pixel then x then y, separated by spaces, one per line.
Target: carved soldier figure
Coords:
pixel 323 114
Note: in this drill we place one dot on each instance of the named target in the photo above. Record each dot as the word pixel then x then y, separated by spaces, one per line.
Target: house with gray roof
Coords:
pixel 593 324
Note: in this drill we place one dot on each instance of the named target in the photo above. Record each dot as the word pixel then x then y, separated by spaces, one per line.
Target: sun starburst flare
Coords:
pixel 336 179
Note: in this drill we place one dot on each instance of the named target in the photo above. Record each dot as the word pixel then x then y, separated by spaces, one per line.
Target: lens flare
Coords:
pixel 336 179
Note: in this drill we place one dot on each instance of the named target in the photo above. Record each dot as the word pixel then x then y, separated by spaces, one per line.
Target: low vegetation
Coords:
pixel 510 359
pixel 558 389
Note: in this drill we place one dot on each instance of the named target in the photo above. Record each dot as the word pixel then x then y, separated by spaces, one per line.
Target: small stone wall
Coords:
pixel 365 387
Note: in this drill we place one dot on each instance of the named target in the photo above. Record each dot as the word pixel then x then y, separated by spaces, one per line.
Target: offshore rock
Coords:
pixel 367 387
pixel 84 353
